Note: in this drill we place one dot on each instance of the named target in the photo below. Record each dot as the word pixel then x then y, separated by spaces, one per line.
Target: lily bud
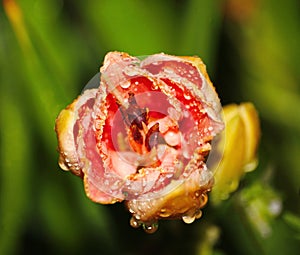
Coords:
pixel 239 143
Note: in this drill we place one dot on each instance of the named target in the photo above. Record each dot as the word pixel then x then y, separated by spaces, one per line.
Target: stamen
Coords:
pixel 133 114
pixel 137 136
pixel 151 139
pixel 136 115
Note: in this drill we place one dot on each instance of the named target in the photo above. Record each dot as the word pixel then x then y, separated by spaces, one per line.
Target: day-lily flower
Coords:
pixel 143 136
pixel 238 144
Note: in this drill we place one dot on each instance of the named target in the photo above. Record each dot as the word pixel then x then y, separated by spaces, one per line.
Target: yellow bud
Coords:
pixel 239 142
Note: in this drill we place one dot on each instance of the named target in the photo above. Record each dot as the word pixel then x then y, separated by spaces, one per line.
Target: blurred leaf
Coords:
pixel 271 80
pixel 209 238
pixel 261 205
pixel 294 221
pixel 200 28
pixel 15 171
pixel 136 27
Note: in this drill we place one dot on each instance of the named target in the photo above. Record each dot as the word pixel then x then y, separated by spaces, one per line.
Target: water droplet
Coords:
pixel 187 96
pixel 134 222
pixel 131 210
pixel 164 213
pixel 186 114
pixel 125 85
pixel 62 164
pixel 150 228
pixel 203 199
pixel 198 214
pixel 197 194
pixel 168 70
pixel 154 86
pixel 132 71
pixel 188 219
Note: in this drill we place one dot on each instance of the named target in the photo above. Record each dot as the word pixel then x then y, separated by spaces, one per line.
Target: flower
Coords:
pixel 143 136
pixel 239 145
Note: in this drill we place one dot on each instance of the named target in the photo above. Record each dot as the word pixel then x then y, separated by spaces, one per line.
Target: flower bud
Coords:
pixel 238 144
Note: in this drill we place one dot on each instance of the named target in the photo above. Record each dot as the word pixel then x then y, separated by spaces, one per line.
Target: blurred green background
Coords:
pixel 48 52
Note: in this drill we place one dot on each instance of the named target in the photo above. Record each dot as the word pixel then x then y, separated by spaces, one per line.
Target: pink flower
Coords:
pixel 143 136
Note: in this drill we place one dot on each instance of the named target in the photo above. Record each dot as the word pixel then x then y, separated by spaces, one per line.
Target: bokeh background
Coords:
pixel 49 50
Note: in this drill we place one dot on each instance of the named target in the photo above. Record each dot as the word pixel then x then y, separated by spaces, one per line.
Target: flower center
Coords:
pixel 143 132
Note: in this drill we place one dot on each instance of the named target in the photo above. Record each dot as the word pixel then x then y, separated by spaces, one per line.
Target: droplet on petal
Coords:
pixel 150 228
pixel 187 96
pixel 134 222
pixel 125 85
pixel 188 219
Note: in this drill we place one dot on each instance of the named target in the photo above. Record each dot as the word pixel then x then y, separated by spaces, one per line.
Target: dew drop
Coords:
pixel 132 71
pixel 203 199
pixel 186 114
pixel 131 210
pixel 197 194
pixel 154 86
pixel 168 70
pixel 125 85
pixel 63 165
pixel 134 222
pixel 198 214
pixel 164 213
pixel 187 96
pixel 188 219
pixel 151 228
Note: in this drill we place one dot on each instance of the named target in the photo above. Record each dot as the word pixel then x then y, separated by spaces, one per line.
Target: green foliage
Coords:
pixel 48 52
